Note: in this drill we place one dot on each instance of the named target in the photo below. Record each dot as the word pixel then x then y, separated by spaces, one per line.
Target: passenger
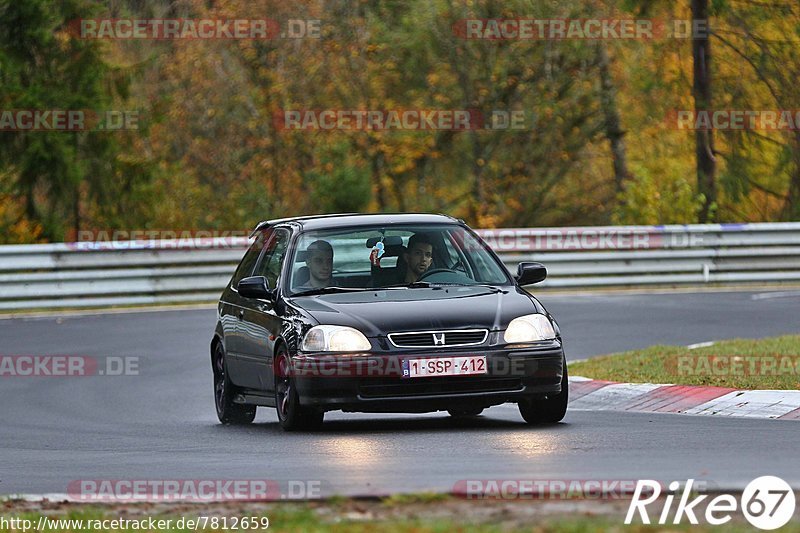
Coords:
pixel 417 256
pixel 319 260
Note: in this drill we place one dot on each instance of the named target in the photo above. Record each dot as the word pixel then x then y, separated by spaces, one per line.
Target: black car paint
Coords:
pixel 250 329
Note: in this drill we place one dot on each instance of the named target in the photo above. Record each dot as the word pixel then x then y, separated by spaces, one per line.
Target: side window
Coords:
pixel 450 251
pixel 271 260
pixel 250 257
pixel 485 268
pixel 458 260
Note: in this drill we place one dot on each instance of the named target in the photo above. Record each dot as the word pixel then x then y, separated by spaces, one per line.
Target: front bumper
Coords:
pixel 373 382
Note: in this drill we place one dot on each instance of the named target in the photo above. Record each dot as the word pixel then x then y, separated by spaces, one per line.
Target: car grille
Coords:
pixel 425 339
pixel 440 386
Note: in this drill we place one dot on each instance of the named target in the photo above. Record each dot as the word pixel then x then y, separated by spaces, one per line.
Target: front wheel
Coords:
pixel 549 410
pixel 291 415
pixel 227 411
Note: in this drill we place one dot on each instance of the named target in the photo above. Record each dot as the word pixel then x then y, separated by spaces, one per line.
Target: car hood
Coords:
pixel 378 312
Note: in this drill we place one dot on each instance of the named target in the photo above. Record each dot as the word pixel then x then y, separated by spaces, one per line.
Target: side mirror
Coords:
pixel 255 287
pixel 529 273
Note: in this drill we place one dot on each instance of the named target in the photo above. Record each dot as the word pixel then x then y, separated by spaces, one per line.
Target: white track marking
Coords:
pixel 773 295
pixel 751 404
pixel 700 345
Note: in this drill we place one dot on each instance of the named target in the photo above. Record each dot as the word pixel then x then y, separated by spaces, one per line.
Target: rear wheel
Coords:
pixel 465 413
pixel 291 415
pixel 549 410
pixel 227 411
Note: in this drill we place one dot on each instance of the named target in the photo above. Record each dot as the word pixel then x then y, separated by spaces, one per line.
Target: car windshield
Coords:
pixel 393 256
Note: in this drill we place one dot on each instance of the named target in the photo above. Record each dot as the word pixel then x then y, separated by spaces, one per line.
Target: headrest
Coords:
pixel 301 276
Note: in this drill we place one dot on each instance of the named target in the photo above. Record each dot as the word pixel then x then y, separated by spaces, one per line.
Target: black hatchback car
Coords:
pixel 382 313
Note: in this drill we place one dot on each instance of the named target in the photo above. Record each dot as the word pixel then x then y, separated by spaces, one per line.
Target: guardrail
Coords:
pixel 90 274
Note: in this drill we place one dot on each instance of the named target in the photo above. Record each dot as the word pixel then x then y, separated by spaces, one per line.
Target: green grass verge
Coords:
pixel 772 363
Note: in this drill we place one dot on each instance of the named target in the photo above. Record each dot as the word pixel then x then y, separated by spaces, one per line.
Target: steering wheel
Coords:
pixel 428 273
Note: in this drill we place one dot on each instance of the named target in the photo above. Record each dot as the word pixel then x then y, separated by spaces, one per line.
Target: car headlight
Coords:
pixel 334 339
pixel 528 328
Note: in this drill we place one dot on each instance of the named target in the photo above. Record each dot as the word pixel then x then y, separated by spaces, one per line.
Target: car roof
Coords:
pixel 343 220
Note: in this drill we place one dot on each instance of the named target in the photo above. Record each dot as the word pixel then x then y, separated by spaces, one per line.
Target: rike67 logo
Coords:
pixel 768 502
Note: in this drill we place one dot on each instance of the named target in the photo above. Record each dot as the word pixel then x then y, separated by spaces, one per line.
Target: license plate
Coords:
pixel 444 366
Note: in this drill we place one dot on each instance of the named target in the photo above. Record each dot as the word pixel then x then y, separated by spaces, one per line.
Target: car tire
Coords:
pixel 549 410
pixel 465 413
pixel 291 415
pixel 224 391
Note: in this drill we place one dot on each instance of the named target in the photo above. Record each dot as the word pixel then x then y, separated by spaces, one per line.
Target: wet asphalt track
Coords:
pixel 161 423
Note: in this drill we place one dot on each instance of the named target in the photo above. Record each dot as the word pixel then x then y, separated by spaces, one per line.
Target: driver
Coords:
pixel 319 259
pixel 418 257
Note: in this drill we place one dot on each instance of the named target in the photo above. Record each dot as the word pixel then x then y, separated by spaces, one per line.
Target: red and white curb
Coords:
pixel 596 395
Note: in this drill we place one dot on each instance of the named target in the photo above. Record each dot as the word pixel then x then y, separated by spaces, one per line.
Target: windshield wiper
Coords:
pixel 421 285
pixel 412 285
pixel 329 290
pixel 482 285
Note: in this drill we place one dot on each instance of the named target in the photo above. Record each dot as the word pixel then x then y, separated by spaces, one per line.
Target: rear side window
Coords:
pixel 248 262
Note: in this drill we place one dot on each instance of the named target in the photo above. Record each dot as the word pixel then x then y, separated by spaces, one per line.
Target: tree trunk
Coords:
pixel 77 200
pixel 77 211
pixel 477 201
pixel 791 207
pixel 377 173
pixel 613 127
pixel 704 138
